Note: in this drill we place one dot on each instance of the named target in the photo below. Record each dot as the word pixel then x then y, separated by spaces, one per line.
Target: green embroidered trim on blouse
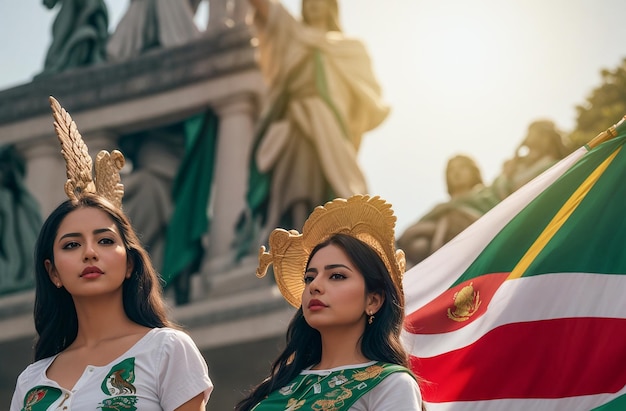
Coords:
pixel 336 391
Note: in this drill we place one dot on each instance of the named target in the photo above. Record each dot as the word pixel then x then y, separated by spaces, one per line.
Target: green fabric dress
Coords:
pixel 335 391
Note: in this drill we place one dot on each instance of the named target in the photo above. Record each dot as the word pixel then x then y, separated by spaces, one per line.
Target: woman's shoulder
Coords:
pixel 392 387
pixel 399 383
pixel 397 391
pixel 36 369
pixel 394 368
pixel 167 335
pixel 169 339
pixel 165 332
pixel 390 373
pixel 401 376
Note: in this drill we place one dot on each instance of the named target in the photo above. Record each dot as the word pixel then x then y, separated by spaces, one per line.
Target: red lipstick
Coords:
pixel 316 305
pixel 91 272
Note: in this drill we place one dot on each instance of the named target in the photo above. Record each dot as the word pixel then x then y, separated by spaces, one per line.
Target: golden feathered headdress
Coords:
pixel 370 219
pixel 80 177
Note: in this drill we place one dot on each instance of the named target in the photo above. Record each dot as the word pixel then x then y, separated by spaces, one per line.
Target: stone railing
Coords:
pixel 222 54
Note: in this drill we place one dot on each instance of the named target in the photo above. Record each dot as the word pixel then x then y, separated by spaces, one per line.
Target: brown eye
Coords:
pixel 71 245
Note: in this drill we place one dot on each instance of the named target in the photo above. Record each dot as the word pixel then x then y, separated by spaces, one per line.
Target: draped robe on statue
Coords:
pixel 322 97
pixel 20 221
pixel 152 23
pixel 79 35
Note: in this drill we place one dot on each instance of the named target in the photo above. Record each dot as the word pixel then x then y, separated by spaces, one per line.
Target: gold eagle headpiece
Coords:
pixel 80 178
pixel 369 219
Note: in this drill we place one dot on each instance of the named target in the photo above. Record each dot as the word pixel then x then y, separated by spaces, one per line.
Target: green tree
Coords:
pixel 605 106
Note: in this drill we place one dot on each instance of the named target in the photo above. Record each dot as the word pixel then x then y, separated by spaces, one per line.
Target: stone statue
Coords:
pixel 469 200
pixel 542 147
pixel 322 97
pixel 167 195
pixel 79 35
pixel 149 24
pixel 158 156
pixel 20 221
pixel 155 156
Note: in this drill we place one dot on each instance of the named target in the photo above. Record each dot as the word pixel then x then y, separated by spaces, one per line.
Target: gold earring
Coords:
pixel 370 320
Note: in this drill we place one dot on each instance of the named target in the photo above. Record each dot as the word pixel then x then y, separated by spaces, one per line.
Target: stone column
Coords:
pixel 101 140
pixel 45 172
pixel 236 127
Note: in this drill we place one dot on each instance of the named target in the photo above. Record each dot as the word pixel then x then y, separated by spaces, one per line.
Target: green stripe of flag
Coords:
pixel 594 229
pixel 618 404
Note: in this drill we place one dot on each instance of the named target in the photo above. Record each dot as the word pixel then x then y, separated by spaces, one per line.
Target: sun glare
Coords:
pixel 463 48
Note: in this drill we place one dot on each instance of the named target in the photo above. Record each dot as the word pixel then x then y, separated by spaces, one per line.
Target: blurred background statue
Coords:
pixel 79 35
pixel 541 148
pixel 469 200
pixel 167 189
pixel 155 156
pixel 322 97
pixel 20 221
pixel 167 194
pixel 147 24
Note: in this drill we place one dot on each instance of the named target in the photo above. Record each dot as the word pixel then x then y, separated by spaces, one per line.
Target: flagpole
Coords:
pixel 606 135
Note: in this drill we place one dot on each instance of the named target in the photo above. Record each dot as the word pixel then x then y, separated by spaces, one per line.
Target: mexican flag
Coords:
pixel 526 308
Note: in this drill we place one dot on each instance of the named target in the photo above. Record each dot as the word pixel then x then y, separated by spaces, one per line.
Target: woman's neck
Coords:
pixel 100 319
pixel 340 348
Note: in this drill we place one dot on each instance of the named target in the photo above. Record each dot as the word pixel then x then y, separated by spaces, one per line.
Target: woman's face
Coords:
pixel 315 12
pixel 89 256
pixel 334 293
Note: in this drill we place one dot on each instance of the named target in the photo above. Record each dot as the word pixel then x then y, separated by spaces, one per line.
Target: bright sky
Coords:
pixel 461 76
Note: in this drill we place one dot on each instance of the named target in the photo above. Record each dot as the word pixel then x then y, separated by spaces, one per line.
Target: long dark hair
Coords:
pixel 380 340
pixel 55 314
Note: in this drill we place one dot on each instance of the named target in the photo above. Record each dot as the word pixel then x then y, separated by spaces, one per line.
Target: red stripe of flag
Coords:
pixel 581 356
pixel 456 307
